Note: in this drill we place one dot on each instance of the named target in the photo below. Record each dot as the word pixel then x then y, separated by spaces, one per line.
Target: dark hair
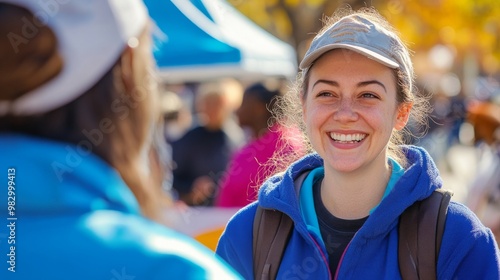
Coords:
pixel 108 120
pixel 268 97
pixel 263 93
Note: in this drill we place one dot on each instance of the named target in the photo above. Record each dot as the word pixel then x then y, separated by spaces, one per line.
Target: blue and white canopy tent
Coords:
pixel 205 39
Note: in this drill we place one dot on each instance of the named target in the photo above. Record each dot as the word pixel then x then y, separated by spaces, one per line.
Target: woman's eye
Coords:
pixel 369 95
pixel 324 93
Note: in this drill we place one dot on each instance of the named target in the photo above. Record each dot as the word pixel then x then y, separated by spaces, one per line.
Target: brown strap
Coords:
pixel 443 211
pixel 407 249
pixel 420 233
pixel 271 232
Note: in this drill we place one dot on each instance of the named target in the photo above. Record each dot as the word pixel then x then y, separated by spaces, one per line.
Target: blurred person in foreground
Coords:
pixel 251 165
pixel 202 154
pixel 78 143
pixel 354 97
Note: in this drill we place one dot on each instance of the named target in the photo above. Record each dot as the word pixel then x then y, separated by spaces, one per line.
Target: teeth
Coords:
pixel 347 137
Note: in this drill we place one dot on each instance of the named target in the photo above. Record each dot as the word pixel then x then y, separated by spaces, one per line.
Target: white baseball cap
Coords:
pixel 92 34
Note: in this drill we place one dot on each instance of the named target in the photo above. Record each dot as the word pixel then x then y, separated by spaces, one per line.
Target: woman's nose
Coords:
pixel 345 111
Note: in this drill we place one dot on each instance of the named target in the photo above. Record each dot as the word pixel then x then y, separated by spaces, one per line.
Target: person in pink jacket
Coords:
pixel 251 165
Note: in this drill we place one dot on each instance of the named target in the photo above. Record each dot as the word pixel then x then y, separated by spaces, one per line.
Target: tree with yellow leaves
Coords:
pixel 466 27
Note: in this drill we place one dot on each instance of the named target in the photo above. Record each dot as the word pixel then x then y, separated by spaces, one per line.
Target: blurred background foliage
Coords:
pixel 463 36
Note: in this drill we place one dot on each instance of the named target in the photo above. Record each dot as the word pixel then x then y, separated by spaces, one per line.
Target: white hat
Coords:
pixel 92 34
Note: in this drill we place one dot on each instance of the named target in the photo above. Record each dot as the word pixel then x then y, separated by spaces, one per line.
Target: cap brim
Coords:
pixel 310 58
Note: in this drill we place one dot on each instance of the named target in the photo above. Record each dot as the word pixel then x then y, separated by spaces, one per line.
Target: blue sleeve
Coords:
pixel 236 244
pixel 469 249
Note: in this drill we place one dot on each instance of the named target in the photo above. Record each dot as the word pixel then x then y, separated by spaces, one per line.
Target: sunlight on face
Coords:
pixel 350 110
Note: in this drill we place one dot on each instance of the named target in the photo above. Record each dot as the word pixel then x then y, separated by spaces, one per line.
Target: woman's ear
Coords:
pixel 127 68
pixel 403 115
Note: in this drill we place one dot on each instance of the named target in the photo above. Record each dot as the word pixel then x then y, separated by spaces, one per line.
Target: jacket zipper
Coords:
pixel 341 259
pixel 322 256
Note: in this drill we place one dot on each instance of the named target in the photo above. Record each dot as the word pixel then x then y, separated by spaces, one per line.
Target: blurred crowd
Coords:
pixel 222 135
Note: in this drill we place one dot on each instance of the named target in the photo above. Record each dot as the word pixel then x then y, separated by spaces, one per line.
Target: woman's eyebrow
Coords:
pixel 366 83
pixel 360 84
pixel 329 82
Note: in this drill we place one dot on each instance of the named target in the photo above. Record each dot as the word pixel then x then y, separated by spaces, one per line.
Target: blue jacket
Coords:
pixel 74 218
pixel 468 249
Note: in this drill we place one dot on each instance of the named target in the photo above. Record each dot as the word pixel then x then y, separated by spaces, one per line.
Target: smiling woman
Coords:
pixel 353 101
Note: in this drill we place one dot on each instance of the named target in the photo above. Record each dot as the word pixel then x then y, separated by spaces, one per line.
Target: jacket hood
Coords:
pixel 53 176
pixel 419 180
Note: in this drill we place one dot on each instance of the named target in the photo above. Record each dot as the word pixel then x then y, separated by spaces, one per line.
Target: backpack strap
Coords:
pixel 421 228
pixel 271 231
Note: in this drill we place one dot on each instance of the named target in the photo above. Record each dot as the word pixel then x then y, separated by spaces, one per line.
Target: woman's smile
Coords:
pixel 347 138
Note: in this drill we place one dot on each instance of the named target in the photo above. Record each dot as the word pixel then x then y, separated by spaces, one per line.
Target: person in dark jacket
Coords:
pixel 354 97
pixel 202 154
